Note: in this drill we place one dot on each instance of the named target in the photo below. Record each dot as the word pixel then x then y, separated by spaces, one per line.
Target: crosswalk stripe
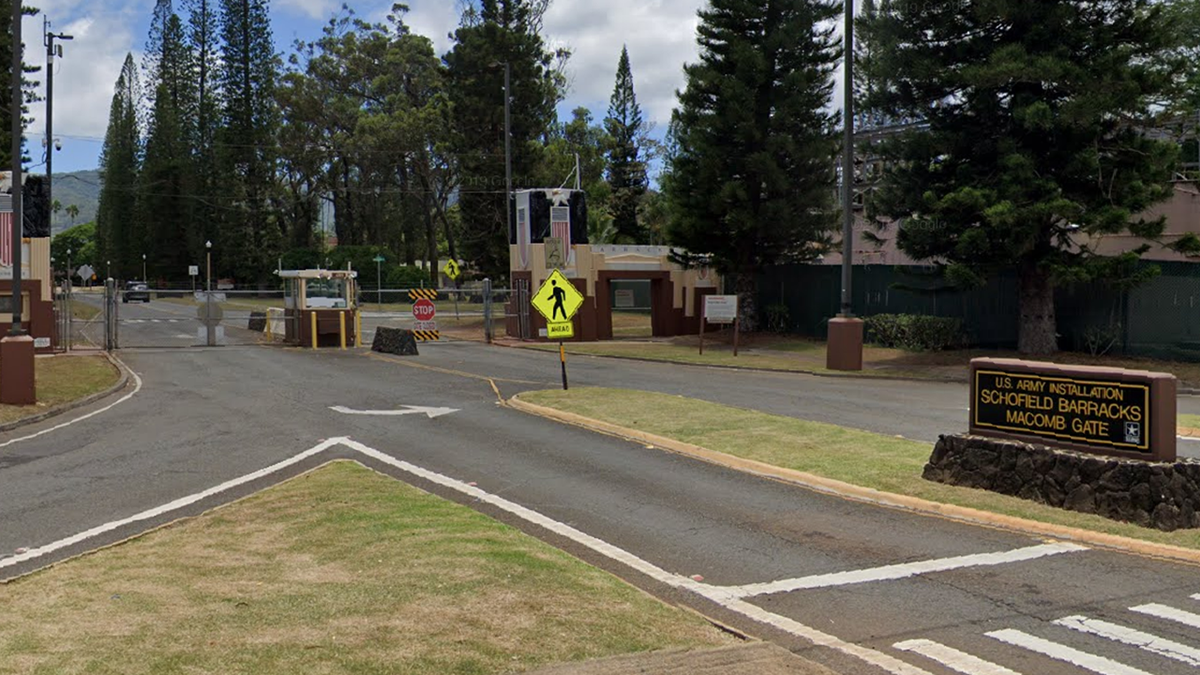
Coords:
pixel 903 570
pixel 1196 596
pixel 1169 613
pixel 1075 657
pixel 1129 636
pixel 952 658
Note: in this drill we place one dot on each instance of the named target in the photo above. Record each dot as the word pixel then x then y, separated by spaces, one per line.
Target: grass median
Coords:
pixel 61 380
pixel 341 570
pixel 858 457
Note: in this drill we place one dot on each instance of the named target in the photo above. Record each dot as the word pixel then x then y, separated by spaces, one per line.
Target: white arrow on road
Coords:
pixel 409 410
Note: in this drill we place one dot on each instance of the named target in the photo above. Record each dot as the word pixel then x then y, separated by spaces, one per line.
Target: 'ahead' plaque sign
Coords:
pixel 1104 410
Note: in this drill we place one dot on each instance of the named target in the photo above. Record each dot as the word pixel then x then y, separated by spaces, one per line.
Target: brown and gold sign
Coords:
pixel 1093 409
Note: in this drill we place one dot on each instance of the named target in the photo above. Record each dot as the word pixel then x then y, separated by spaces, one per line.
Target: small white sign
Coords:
pixel 194 270
pixel 425 325
pixel 624 298
pixel 41 343
pixel 720 308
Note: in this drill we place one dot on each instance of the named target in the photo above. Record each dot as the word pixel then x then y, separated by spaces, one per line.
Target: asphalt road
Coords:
pixel 206 416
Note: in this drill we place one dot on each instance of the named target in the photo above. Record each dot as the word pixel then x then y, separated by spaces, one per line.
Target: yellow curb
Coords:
pixel 869 495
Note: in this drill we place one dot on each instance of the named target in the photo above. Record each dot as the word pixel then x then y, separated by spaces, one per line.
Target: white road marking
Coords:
pixel 1129 636
pixel 902 571
pixel 879 659
pixel 137 387
pixel 1075 657
pixel 1169 613
pixel 165 508
pixel 952 658
pixel 1196 596
pixel 410 410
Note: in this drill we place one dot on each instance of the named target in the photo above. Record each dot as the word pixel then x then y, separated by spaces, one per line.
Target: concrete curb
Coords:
pixel 868 495
pixel 78 403
pixel 1183 391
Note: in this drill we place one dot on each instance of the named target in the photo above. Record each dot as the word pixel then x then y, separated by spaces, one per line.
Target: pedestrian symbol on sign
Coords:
pixel 559 295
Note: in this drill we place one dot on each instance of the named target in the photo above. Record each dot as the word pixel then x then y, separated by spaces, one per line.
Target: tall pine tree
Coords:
pixel 203 39
pixel 626 166
pixel 167 183
pixel 502 32
pixel 118 236
pixel 251 234
pixel 1035 145
pixel 751 181
pixel 29 95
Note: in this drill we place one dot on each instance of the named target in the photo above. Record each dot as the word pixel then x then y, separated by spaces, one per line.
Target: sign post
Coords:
pixel 558 300
pixel 424 311
pixel 379 259
pixel 453 271
pixel 722 309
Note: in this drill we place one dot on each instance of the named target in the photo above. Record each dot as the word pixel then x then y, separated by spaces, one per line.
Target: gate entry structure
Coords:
pixel 321 308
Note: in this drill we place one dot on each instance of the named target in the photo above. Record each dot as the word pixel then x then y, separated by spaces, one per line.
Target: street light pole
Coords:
pixel 48 39
pixel 508 146
pixel 844 348
pixel 208 314
pixel 144 278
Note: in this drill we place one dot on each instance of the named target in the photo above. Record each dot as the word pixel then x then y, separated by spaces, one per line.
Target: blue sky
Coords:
pixel 660 35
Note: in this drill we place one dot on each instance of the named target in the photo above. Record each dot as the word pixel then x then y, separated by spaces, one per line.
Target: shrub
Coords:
pixel 777 317
pixel 915 332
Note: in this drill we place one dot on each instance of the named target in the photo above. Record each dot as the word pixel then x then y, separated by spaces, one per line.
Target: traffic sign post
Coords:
pixel 379 260
pixel 425 313
pixel 721 309
pixel 558 300
pixel 452 270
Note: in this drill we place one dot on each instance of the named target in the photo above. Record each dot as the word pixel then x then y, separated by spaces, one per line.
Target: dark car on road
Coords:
pixel 136 290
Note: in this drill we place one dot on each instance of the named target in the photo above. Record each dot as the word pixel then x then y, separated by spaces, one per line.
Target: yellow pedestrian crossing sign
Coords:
pixel 451 269
pixel 558 299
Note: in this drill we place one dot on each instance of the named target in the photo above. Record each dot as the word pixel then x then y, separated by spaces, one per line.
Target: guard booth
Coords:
pixel 321 308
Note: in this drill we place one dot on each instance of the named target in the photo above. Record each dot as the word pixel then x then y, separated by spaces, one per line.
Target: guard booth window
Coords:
pixel 327 293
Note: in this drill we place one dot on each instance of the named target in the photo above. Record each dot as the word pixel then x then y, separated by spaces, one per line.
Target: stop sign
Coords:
pixel 423 310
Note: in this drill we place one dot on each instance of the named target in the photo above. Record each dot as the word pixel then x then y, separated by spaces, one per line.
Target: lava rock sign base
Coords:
pixel 1162 495
pixel 397 341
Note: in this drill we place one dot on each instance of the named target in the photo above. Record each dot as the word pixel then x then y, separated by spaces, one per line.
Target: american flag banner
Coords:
pixel 6 247
pixel 560 224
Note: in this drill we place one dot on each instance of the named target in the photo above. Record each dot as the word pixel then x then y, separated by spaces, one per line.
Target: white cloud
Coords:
pixel 660 35
pixel 316 9
pixel 435 19
pixel 85 76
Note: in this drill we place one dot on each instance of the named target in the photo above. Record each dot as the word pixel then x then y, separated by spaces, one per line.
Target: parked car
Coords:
pixel 136 290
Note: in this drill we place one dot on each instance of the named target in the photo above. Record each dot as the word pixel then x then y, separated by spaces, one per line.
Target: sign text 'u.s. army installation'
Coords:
pixel 1100 410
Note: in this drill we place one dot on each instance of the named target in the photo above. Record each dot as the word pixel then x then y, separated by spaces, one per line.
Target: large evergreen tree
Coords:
pixel 118 238
pixel 167 184
pixel 1036 140
pixel 251 233
pixel 501 32
pixel 29 95
pixel 203 38
pixel 581 138
pixel 626 166
pixel 751 181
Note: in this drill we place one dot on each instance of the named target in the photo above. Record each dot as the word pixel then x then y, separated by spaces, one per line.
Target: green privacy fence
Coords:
pixel 1159 318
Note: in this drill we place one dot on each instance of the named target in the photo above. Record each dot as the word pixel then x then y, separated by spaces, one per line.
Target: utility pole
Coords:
pixel 508 147
pixel 51 145
pixel 844 347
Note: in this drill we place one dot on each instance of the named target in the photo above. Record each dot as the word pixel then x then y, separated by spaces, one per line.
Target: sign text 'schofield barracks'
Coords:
pixel 1079 410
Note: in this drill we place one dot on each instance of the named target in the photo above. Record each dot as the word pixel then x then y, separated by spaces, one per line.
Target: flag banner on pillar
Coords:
pixel 6 247
pixel 560 228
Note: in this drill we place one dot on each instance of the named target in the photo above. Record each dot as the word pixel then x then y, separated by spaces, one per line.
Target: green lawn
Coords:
pixel 858 457
pixel 341 570
pixel 62 379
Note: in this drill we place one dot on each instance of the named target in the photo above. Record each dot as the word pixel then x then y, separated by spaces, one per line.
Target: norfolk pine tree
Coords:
pixel 118 239
pixel 626 167
pixel 752 180
pixel 1036 141
pixel 502 31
